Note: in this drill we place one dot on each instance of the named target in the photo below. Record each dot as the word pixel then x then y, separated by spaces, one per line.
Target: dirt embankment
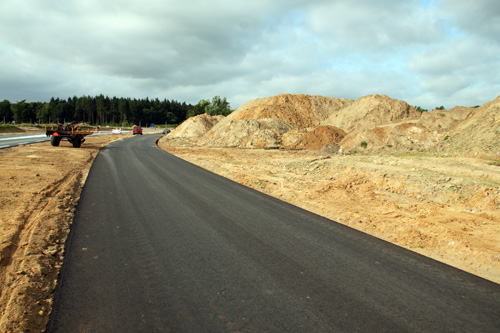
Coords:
pixel 41 186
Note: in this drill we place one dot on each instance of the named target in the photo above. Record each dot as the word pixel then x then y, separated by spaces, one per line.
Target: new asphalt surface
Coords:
pixel 12 140
pixel 161 245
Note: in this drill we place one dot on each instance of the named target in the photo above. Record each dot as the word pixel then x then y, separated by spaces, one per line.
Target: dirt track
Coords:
pixel 445 208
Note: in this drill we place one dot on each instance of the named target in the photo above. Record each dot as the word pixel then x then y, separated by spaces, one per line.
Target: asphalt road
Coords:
pixel 12 140
pixel 161 245
pixel 19 139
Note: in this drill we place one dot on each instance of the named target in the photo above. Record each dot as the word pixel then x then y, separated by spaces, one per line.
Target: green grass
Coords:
pixel 494 162
pixel 261 182
pixel 420 154
pixel 10 129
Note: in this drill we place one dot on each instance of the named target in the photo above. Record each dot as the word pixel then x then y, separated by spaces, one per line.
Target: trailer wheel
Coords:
pixel 55 140
pixel 77 141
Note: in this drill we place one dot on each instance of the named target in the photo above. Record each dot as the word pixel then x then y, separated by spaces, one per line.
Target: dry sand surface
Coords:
pixel 427 182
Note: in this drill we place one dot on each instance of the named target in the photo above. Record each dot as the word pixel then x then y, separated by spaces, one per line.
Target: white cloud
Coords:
pixel 480 17
pixel 418 51
pixel 463 69
pixel 374 25
pixel 456 68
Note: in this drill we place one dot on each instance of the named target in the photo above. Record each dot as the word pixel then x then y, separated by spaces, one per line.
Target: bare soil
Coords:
pixel 40 189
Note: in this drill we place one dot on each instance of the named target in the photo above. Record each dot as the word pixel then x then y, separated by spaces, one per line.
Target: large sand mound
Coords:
pixel 400 137
pixel 445 120
pixel 460 130
pixel 478 134
pixel 301 110
pixel 371 111
pixel 300 114
pixel 246 133
pixel 195 127
pixel 371 123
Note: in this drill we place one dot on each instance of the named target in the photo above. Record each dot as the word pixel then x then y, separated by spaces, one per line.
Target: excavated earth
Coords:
pixel 429 182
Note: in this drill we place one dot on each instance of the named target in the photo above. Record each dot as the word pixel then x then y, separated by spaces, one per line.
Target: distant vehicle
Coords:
pixel 116 131
pixel 136 130
pixel 166 131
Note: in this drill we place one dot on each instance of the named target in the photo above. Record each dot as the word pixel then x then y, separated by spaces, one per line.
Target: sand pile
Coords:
pixel 460 130
pixel 246 133
pixel 283 120
pixel 400 137
pixel 371 123
pixel 263 122
pixel 371 111
pixel 304 111
pixel 319 137
pixel 195 127
pixel 445 120
pixel 478 134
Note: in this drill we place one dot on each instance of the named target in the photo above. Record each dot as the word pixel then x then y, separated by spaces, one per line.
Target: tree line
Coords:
pixel 102 110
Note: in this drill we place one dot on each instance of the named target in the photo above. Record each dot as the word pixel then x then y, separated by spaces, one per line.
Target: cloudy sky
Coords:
pixel 426 52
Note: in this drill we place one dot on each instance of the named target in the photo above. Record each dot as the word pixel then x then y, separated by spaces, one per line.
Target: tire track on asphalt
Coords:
pixel 134 240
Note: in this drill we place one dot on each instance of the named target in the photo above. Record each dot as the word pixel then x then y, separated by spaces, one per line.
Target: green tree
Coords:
pixel 52 110
pixel 6 114
pixel 58 113
pixel 171 118
pixel 420 109
pixel 218 106
pixel 99 110
pixel 43 113
pixel 198 108
pixel 102 105
pixel 20 110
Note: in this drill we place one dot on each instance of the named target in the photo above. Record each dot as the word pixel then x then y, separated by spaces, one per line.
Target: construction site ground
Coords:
pixel 446 208
pixel 443 207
